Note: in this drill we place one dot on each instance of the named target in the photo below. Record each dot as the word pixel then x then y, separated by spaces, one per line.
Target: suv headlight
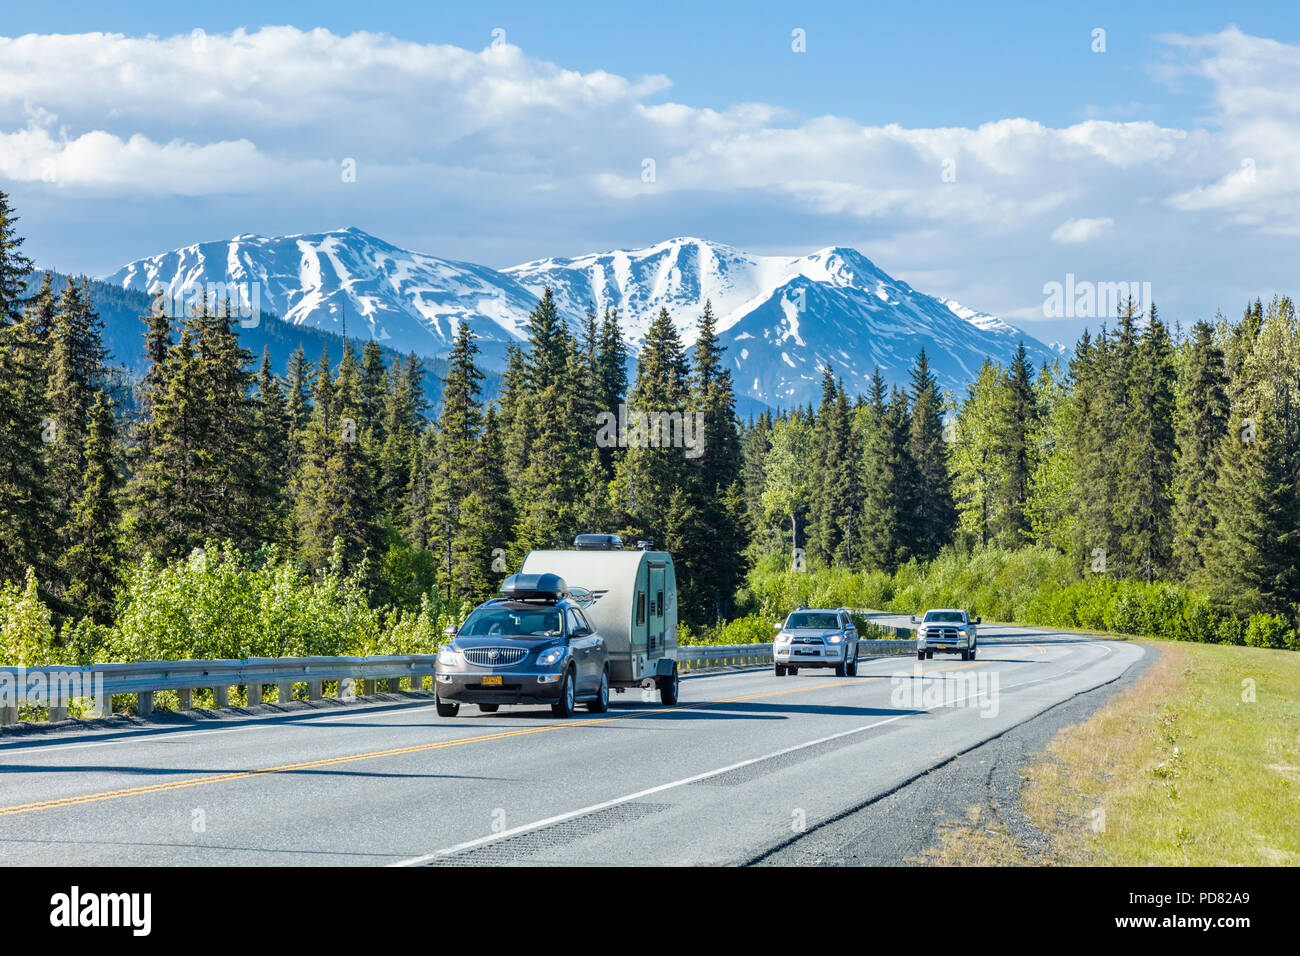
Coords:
pixel 448 655
pixel 551 655
pixel 836 638
pixel 783 638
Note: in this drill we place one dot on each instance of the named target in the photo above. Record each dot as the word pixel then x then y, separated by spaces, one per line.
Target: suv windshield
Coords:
pixel 810 619
pixel 945 617
pixel 511 622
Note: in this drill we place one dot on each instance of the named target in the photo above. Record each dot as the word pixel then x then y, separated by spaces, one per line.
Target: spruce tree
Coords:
pixel 1202 420
pixel 934 518
pixel 93 552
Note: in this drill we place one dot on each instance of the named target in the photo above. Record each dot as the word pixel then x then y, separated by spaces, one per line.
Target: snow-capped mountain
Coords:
pixel 406 300
pixel 782 318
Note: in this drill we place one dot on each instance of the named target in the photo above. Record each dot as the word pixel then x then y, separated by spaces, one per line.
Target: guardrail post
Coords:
pixel 347 688
pixel 368 687
pixel 8 715
pixel 254 694
pixel 58 704
pixel 103 705
pixel 314 690
pixel 417 682
pixel 144 703
pixel 285 692
pixel 185 697
pixel 221 696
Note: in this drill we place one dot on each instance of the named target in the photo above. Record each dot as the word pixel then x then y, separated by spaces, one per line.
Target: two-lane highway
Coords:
pixel 744 763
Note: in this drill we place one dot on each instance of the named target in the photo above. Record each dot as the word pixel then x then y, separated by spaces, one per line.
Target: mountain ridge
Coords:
pixel 782 318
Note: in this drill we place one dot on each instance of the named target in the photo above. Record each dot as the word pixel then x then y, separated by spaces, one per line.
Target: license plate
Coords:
pixel 492 681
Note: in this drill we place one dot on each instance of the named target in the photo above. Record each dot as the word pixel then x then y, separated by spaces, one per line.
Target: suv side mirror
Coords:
pixel 977 620
pixel 451 630
pixel 914 619
pixel 779 624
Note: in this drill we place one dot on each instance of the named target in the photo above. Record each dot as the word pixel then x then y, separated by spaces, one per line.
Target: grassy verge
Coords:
pixel 1196 764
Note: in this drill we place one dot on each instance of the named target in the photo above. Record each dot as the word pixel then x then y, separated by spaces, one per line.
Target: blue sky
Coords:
pixel 1128 165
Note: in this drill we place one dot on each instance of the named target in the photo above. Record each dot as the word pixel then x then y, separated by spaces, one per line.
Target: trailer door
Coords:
pixel 658 585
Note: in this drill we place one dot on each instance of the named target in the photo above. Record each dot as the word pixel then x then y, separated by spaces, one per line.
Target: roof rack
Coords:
pixel 547 588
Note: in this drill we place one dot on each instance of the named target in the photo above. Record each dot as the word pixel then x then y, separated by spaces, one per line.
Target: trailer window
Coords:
pixel 640 607
pixel 659 604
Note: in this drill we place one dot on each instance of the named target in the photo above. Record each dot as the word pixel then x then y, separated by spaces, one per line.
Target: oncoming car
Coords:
pixel 816 637
pixel 533 645
pixel 947 630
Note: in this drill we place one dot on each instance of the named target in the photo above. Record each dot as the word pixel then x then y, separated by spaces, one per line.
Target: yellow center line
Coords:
pixel 416 748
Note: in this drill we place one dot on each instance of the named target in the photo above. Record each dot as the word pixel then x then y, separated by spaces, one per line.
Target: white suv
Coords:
pixel 816 637
pixel 946 629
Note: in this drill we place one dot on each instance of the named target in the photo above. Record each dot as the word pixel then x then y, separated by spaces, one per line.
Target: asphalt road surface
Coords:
pixel 743 769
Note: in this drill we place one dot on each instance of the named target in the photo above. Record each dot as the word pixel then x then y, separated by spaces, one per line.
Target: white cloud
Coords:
pixel 1081 230
pixel 461 151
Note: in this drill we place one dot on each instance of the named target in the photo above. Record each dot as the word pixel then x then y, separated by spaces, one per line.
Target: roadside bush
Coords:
pixel 1268 630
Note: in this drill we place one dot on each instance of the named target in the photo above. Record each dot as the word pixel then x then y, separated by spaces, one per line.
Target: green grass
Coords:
pixel 1181 769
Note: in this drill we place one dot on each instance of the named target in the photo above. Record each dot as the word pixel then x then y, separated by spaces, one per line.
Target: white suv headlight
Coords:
pixel 551 655
pixel 836 638
pixel 783 638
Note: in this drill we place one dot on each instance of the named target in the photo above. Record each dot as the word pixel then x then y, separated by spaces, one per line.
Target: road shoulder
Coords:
pixel 978 790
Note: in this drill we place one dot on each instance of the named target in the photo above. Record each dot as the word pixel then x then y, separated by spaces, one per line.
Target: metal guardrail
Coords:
pixel 57 686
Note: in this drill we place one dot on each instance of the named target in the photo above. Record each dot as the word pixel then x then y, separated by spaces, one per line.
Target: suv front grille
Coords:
pixel 807 640
pixel 494 656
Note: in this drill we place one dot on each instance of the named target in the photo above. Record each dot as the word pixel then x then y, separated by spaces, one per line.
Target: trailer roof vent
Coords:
pixel 534 587
pixel 598 542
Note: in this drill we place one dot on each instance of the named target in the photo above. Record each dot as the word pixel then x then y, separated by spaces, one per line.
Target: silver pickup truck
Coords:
pixel 949 630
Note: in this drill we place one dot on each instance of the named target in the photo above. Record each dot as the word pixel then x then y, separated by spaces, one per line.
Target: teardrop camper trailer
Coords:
pixel 631 599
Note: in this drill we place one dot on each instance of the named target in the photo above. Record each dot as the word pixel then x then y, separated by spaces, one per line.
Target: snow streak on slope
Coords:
pixel 406 300
pixel 784 319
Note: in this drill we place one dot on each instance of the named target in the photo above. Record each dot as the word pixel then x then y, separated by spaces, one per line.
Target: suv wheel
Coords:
pixel 564 706
pixel 780 670
pixel 841 669
pixel 852 666
pixel 447 708
pixel 601 703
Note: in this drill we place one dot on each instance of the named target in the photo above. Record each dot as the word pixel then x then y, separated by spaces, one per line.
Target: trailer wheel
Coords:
pixel 668 687
pixel 447 708
pixel 601 703
pixel 564 706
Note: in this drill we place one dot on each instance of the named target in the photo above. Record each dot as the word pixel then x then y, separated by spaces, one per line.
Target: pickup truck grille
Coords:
pixel 494 656
pixel 941 634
